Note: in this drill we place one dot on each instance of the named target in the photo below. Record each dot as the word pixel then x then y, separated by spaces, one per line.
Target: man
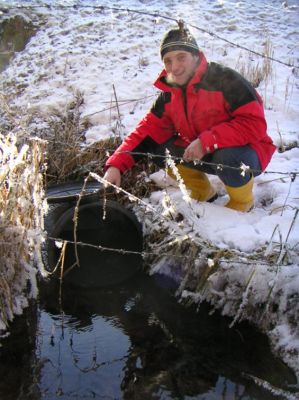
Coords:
pixel 205 112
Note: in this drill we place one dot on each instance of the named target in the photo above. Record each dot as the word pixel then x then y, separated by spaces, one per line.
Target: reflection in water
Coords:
pixel 136 342
pixel 19 363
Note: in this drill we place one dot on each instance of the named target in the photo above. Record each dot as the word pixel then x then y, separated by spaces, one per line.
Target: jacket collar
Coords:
pixel 161 83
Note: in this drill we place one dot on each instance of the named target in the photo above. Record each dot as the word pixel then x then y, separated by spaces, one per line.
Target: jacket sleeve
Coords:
pixel 247 124
pixel 154 129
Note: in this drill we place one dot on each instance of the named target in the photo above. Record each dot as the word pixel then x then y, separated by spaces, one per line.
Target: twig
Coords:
pixel 118 112
pixel 284 249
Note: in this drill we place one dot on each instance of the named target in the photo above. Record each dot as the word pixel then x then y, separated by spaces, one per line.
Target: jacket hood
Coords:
pixel 161 83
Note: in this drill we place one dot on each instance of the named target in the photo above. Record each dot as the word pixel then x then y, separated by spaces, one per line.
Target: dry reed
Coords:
pixel 21 223
pixel 254 72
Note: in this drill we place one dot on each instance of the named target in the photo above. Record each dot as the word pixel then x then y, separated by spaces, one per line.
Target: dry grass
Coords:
pixel 70 159
pixel 64 135
pixel 257 72
pixel 21 223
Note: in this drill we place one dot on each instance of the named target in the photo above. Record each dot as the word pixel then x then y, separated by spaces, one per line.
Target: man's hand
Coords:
pixel 194 151
pixel 113 175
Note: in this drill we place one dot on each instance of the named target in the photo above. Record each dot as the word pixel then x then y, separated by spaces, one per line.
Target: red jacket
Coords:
pixel 218 106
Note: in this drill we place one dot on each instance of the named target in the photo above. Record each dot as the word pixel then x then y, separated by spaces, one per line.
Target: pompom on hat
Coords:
pixel 178 39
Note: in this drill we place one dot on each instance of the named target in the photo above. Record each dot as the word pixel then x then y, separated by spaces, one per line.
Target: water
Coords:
pixel 132 341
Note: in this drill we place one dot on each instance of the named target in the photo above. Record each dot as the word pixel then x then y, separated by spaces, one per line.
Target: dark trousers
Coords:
pixel 215 163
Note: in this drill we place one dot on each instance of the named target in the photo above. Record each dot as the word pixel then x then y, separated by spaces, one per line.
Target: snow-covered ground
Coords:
pixel 103 48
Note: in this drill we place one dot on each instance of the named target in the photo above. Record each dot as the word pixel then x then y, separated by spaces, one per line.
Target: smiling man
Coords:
pixel 205 112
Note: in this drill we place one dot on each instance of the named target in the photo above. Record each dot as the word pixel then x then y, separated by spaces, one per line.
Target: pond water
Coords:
pixel 132 341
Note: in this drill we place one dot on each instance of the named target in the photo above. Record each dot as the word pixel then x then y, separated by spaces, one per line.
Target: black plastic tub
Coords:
pixel 108 238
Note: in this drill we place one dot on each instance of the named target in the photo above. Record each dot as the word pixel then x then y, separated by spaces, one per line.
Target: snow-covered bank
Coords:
pixel 93 49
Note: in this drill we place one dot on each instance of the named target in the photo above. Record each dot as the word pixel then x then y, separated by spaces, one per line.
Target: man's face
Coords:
pixel 180 66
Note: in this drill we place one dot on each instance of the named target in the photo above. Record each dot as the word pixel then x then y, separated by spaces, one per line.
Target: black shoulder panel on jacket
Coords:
pixel 236 90
pixel 158 107
pixel 148 145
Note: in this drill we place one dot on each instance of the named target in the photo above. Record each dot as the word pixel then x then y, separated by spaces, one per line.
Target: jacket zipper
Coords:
pixel 184 89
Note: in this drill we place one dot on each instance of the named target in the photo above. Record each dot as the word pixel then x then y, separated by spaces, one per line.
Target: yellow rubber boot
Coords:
pixel 241 198
pixel 197 182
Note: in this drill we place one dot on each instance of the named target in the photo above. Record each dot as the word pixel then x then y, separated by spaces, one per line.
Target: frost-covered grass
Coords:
pixel 21 224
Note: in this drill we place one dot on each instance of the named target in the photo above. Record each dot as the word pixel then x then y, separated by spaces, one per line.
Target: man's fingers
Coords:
pixel 113 176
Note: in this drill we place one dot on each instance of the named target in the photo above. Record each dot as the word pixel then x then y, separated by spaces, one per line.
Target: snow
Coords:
pixel 96 46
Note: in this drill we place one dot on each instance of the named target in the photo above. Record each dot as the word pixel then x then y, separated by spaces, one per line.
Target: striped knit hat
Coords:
pixel 178 39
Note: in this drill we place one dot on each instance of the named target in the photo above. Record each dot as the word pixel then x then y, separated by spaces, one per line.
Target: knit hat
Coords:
pixel 178 39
